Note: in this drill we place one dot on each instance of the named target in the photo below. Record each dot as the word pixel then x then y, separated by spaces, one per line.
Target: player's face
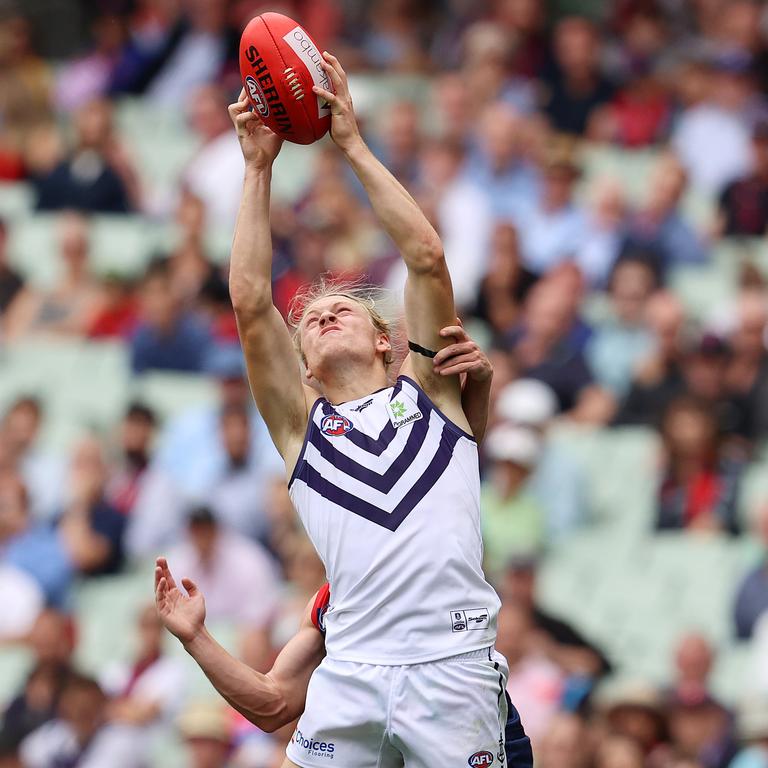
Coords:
pixel 338 328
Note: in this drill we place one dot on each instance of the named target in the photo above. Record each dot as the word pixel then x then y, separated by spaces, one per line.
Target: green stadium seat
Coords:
pixel 170 393
pixel 16 200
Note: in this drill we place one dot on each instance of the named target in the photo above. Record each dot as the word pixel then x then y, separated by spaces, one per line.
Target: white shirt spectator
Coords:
pixel 548 238
pixel 239 585
pixel 714 145
pixel 215 175
pixel 22 600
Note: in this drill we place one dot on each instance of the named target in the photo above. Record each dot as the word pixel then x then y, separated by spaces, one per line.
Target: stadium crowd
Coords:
pixel 571 279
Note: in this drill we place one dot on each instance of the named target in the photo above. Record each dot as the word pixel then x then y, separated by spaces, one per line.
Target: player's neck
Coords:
pixel 352 383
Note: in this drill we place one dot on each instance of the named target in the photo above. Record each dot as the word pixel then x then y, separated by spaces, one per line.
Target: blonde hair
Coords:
pixel 374 300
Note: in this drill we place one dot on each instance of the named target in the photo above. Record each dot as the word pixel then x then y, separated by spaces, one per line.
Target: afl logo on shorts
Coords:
pixel 257 96
pixel 335 425
pixel 480 759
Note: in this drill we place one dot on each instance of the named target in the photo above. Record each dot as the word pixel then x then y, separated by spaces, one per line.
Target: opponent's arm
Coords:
pixel 464 358
pixel 273 369
pixel 429 301
pixel 269 701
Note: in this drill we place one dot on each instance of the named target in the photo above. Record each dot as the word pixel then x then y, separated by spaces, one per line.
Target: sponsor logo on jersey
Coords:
pixel 268 90
pixel 257 96
pixel 360 408
pixel 402 413
pixel 470 618
pixel 305 49
pixel 335 425
pixel 314 746
pixel 480 758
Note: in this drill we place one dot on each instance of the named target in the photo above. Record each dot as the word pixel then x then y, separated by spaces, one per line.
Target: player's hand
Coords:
pixel 344 130
pixel 182 614
pixel 260 146
pixel 463 356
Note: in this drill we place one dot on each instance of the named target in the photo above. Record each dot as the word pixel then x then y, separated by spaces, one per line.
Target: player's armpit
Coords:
pixel 429 306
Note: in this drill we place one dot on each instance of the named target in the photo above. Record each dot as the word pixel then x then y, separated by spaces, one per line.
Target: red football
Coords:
pixel 279 64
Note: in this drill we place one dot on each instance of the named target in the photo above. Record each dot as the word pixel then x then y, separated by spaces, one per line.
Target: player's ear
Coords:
pixel 383 344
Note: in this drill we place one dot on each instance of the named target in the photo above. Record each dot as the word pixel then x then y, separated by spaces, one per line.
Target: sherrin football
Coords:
pixel 279 64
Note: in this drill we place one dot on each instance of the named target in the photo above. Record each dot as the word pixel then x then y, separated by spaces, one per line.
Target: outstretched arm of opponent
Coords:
pixel 273 369
pixel 429 301
pixel 268 701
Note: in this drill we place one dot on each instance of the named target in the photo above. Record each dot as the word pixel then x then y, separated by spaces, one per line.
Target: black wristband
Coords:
pixel 420 350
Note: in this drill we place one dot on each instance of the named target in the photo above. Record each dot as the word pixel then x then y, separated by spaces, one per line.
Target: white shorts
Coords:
pixel 440 713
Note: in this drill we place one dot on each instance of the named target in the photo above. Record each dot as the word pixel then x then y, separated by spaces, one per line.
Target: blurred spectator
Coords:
pixel 34 548
pixel 25 81
pixel 86 78
pixel 21 597
pixel 208 734
pixel 634 710
pixel 604 233
pixel 550 228
pixel 67 308
pixel 699 486
pixel 51 642
pixel 147 692
pixel 622 340
pixel 535 683
pixel 558 484
pixel 659 229
pixel 498 166
pixel 91 529
pixel 565 743
pixel 512 520
pixel 746 377
pixel 618 752
pixel 751 600
pixel 80 734
pixel 582 661
pixel 135 443
pixel 391 40
pixel 11 282
pixel 545 345
pixel 167 337
pixel 694 658
pixel 42 471
pixel 721 119
pixel 97 176
pixel 118 312
pixel 700 729
pixel 576 85
pixel 214 175
pixel 658 378
pixel 744 202
pixel 226 566
pixel 506 284
pixel 194 55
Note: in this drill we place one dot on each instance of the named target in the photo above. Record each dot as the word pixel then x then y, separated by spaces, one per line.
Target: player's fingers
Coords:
pixel 459 358
pixel 453 370
pixel 338 83
pixel 450 352
pixel 163 563
pixel 329 96
pixel 454 330
pixel 334 62
pixel 190 586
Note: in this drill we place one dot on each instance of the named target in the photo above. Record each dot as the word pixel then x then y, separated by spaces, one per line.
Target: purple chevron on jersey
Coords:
pixel 358 506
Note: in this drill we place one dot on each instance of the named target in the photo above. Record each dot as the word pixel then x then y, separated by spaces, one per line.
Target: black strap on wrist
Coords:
pixel 420 350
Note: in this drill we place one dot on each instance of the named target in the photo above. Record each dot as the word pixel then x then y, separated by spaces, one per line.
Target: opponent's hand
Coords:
pixel 344 130
pixel 259 145
pixel 182 614
pixel 464 356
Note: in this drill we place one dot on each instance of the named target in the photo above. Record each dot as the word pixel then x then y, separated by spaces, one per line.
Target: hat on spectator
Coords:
pixel 225 362
pixel 527 402
pixel 711 345
pixel 519 445
pixel 205 720
pixel 623 693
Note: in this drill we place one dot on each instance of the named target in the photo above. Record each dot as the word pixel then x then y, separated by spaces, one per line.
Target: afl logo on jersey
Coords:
pixel 480 759
pixel 335 425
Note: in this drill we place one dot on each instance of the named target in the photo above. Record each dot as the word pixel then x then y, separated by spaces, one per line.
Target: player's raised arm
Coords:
pixel 429 304
pixel 268 701
pixel 273 369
